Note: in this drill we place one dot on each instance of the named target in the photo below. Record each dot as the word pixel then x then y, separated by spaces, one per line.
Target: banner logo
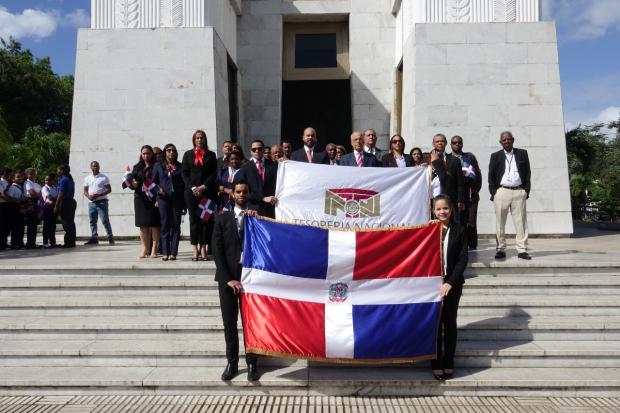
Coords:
pixel 355 203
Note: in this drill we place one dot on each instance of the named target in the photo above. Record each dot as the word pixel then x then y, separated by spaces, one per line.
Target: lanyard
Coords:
pixel 231 173
pixel 509 161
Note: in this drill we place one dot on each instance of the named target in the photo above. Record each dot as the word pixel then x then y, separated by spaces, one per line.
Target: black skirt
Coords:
pixel 147 214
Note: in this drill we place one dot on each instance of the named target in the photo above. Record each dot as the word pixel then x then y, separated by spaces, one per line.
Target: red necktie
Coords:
pixel 309 154
pixel 359 159
pixel 260 170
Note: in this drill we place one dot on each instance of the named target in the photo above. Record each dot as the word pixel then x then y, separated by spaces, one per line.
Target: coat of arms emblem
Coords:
pixel 338 292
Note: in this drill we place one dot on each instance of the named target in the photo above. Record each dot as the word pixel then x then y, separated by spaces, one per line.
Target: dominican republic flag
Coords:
pixel 206 207
pixel 127 178
pixel 330 295
pixel 468 170
pixel 150 188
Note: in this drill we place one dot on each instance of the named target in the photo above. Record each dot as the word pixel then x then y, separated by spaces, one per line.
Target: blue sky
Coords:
pixel 588 32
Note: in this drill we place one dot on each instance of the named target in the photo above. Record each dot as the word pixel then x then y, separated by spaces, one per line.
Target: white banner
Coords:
pixel 350 197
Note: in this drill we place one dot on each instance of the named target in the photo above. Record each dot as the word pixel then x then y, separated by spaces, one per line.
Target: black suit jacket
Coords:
pixel 456 259
pixel 451 178
pixel 227 246
pixel 497 167
pixel 390 162
pixel 472 185
pixel 172 185
pixel 205 174
pixel 259 188
pixel 317 156
pixel 368 160
pixel 222 163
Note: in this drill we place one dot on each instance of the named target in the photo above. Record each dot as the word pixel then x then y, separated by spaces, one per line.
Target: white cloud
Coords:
pixel 77 18
pixel 607 115
pixel 584 19
pixel 37 23
pixel 29 23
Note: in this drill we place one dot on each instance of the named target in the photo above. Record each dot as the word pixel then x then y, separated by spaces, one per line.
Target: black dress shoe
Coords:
pixel 92 241
pixel 230 372
pixel 439 376
pixel 253 374
pixel 499 255
pixel 524 256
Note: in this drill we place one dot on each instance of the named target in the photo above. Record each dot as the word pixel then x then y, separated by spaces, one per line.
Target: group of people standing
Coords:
pixel 25 203
pixel 456 183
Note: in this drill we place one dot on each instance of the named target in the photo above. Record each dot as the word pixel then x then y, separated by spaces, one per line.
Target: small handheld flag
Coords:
pixel 128 179
pixel 468 170
pixel 150 188
pixel 205 208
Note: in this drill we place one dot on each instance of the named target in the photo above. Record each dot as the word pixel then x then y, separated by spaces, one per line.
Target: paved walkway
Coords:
pixel 588 246
pixel 200 404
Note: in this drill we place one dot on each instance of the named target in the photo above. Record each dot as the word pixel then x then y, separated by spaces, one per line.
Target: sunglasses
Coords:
pixel 256 149
pixel 457 143
pixel 397 141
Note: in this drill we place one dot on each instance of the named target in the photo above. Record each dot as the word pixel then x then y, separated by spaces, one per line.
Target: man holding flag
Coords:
pixel 227 244
pixel 472 180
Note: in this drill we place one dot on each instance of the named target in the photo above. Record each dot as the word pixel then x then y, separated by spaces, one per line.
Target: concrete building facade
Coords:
pixel 153 71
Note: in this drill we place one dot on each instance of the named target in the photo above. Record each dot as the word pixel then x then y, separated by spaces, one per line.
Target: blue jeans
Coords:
pixel 99 209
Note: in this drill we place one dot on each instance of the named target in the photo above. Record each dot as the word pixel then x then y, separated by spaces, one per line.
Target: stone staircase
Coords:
pixel 544 329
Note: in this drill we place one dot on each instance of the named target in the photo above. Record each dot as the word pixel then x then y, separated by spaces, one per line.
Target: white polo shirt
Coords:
pixel 4 186
pixel 97 184
pixel 28 185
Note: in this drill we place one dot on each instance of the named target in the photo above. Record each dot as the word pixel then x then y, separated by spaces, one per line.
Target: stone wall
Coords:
pixel 259 56
pixel 372 33
pixel 477 80
pixel 371 55
pixel 142 86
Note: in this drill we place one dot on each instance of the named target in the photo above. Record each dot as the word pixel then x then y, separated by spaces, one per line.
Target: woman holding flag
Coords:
pixel 454 256
pixel 168 176
pixel 145 194
pixel 199 167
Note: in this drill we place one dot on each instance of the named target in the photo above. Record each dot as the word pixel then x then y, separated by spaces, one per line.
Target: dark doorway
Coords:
pixel 322 104
pixel 233 104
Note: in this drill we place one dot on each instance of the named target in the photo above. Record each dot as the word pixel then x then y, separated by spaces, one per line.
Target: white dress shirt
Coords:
pixel 369 150
pixel 445 251
pixel 511 176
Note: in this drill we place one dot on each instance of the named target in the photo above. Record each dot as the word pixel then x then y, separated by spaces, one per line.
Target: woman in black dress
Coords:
pixel 168 175
pixel 146 213
pixel 199 166
pixel 454 246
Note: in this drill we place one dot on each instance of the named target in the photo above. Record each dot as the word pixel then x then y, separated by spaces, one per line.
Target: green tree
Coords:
pixel 594 169
pixel 31 94
pixel 40 150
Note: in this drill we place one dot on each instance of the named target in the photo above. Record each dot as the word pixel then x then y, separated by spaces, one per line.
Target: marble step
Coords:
pixel 197 299
pixel 536 267
pixel 57 351
pixel 516 327
pixel 298 380
pixel 132 281
pixel 214 310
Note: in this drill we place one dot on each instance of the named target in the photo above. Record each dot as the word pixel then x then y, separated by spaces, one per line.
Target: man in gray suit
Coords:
pixel 370 142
